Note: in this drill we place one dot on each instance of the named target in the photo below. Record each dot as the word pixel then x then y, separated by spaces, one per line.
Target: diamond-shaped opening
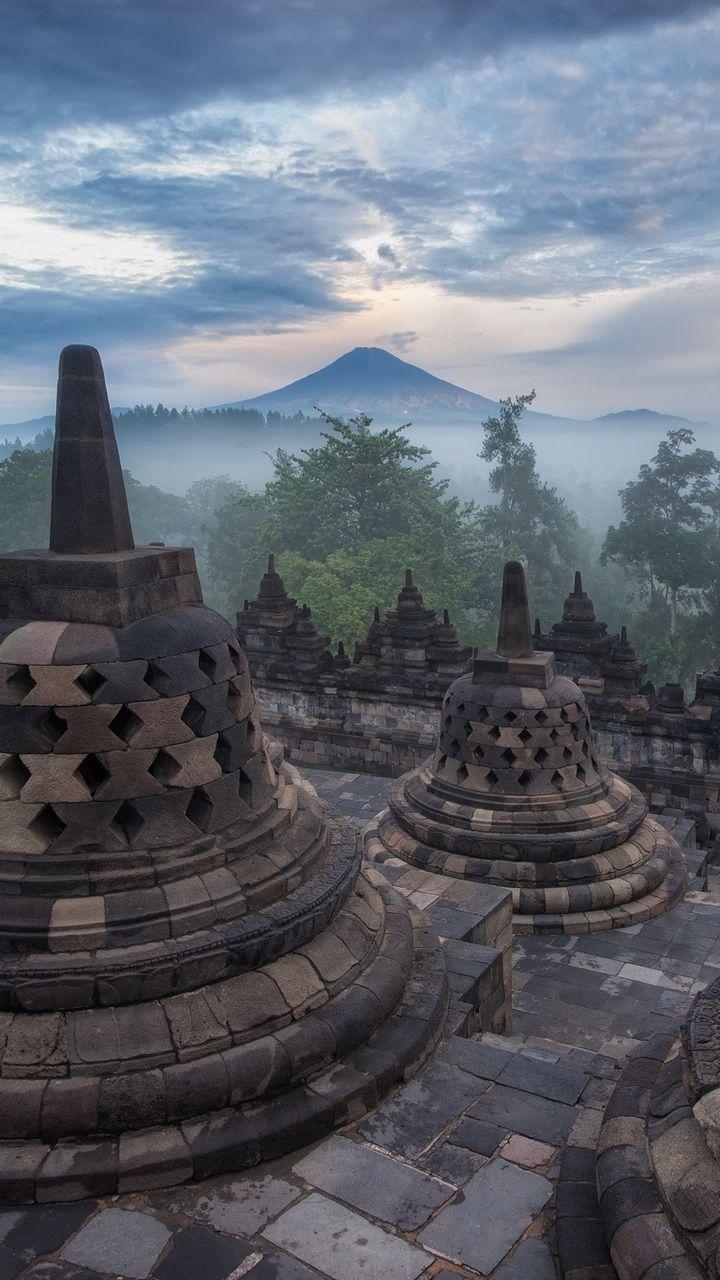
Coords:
pixel 93 773
pixel 509 757
pixel 525 736
pixel 448 721
pixel 461 708
pixel 194 715
pixel 567 755
pixel 128 821
pixel 200 808
pixel 164 767
pixel 156 677
pixel 525 778
pixel 564 715
pixel 253 735
pixel 21 683
pixel 557 780
pixel 540 756
pixel 13 776
pixel 462 773
pixel 442 762
pixel 47 824
pixel 511 717
pixel 541 717
pixel 585 748
pixel 236 704
pixel 554 735
pixel 53 726
pixel 494 733
pixel 491 777
pixel 478 754
pixel 125 724
pixel 90 681
pixel 207 664
pixel 468 728
pixel 580 770
pixel 223 753
pixel 245 788
pixel 235 657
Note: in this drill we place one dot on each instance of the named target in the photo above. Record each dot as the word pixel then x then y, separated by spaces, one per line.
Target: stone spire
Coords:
pixel 89 504
pixel 515 795
pixel 514 636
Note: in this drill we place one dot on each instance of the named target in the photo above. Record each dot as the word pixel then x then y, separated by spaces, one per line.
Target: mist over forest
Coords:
pixel 347 502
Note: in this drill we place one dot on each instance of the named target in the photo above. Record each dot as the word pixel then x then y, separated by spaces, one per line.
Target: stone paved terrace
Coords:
pixel 481 1166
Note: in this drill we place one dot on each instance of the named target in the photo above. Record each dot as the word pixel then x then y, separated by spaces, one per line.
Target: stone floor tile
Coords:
pixel 496 1207
pixel 531 1260
pixel 59 1271
pixel 416 1116
pixel 552 1080
pixel 241 1206
pixel 44 1228
pixel 478 1135
pixel 527 1152
pixel 11 1263
pixel 280 1266
pixel 341 1244
pixel 475 1056
pixel 121 1242
pixel 373 1183
pixel 519 1112
pixel 197 1253
pixel 452 1163
pixel 8 1218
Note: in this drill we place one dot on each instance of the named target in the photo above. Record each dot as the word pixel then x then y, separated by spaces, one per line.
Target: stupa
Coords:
pixel 409 638
pixel 514 795
pixel 580 643
pixel 274 629
pixel 658 1155
pixel 195 973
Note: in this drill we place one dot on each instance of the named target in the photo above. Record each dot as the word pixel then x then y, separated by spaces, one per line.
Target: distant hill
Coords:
pixel 373 381
pixel 647 418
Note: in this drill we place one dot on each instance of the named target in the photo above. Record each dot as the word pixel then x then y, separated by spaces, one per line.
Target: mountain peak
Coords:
pixel 374 381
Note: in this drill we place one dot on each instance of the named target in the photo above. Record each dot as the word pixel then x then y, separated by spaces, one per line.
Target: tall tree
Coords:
pixel 668 536
pixel 529 520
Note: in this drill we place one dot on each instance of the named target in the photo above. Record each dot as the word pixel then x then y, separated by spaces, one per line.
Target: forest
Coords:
pixel 347 514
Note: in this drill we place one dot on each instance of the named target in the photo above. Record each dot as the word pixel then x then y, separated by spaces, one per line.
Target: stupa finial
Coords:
pixel 409 578
pixel 514 637
pixel 578 587
pixel 89 503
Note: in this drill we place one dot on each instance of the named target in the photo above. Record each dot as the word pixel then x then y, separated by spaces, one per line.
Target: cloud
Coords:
pixel 401 340
pixel 178 172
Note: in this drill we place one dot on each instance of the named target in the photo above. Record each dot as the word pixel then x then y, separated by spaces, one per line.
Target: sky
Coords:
pixel 225 197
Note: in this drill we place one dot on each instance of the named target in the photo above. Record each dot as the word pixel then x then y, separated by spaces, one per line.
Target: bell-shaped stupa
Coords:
pixel 195 973
pixel 515 796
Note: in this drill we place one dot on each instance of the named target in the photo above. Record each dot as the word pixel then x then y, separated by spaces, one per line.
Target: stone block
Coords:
pixel 156 1158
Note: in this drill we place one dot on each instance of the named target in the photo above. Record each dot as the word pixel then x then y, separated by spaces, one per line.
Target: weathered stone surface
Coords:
pixel 339 1243
pixel 501 1196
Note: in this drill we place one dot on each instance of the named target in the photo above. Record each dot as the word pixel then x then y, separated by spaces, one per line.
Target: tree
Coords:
pixel 25 499
pixel 347 516
pixel 231 548
pixel 668 536
pixel 529 521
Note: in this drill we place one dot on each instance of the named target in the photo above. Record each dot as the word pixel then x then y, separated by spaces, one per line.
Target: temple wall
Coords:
pixel 674 763
pixel 366 731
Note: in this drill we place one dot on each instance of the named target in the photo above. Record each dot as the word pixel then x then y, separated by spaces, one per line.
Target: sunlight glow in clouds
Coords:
pixel 34 247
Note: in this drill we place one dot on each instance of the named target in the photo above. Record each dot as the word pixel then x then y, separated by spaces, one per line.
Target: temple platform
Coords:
pixel 482 1166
